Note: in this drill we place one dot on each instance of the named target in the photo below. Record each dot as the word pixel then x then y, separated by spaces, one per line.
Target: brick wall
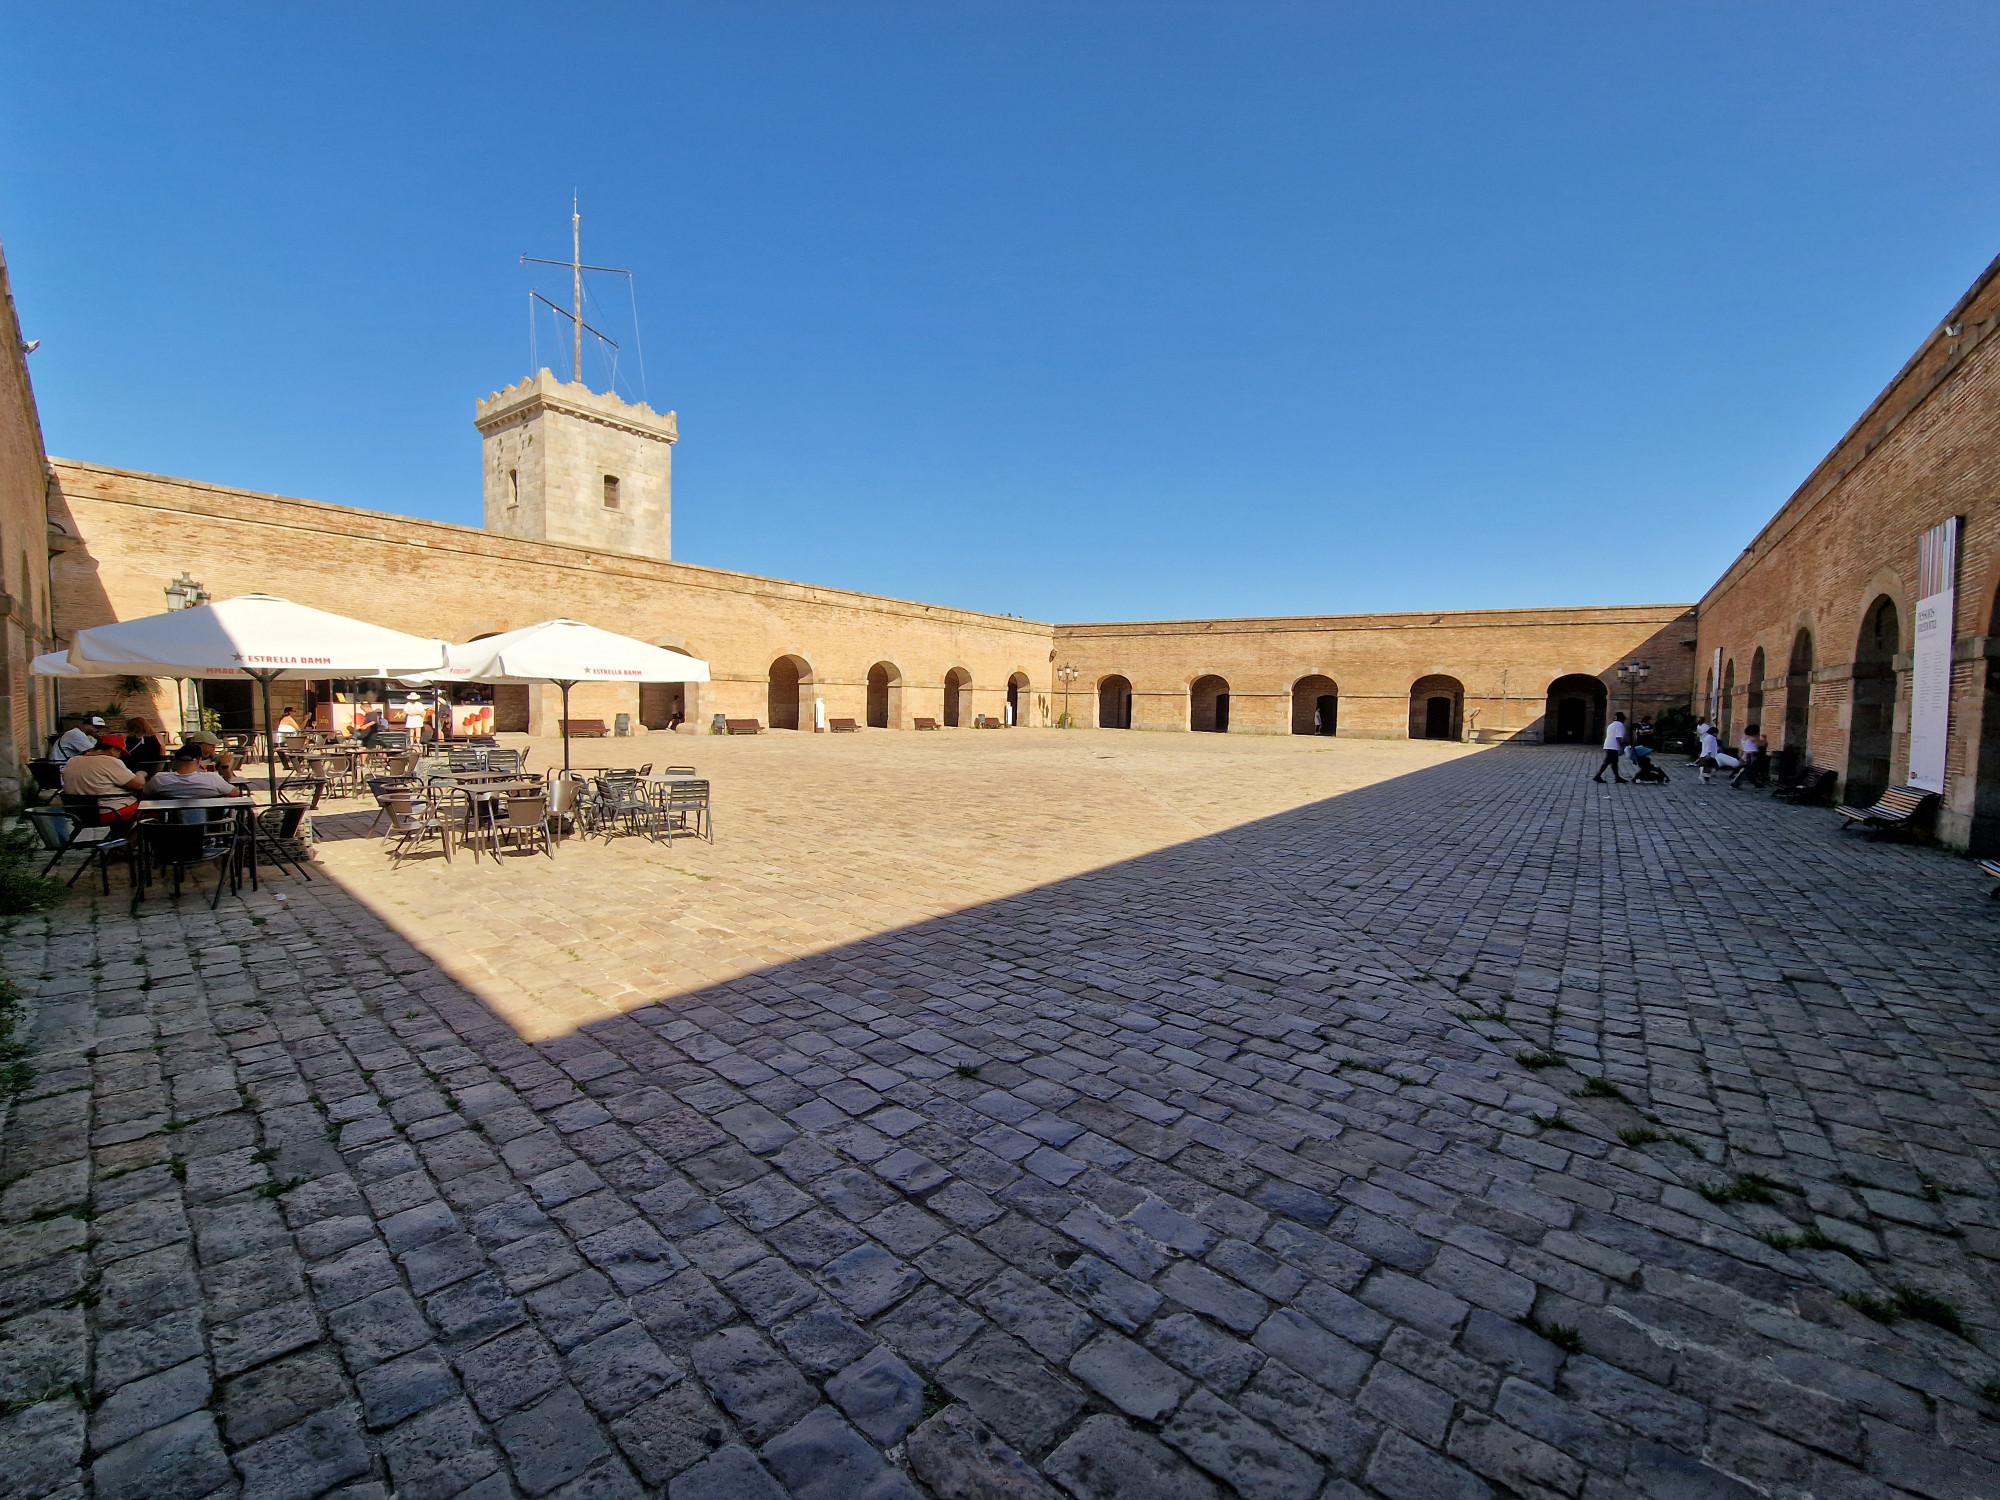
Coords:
pixel 1926 449
pixel 24 556
pixel 1505 660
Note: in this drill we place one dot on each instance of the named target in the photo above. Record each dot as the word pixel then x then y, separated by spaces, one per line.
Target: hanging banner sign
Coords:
pixel 1930 678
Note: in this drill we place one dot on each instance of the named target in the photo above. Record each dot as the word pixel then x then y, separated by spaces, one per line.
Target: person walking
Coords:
pixel 1614 746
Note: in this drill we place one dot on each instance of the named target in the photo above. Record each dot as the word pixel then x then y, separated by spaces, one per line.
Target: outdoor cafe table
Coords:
pixel 243 807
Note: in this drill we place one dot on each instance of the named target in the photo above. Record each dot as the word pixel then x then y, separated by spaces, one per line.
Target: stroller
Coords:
pixel 1643 768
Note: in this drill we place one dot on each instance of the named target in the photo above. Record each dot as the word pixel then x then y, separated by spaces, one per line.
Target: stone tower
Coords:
pixel 564 463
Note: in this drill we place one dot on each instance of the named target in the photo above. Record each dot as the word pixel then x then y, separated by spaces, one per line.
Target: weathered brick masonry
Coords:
pixel 1820 574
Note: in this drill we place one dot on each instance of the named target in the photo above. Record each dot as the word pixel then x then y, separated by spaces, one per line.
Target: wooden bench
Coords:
pixel 585 729
pixel 1814 788
pixel 988 721
pixel 1902 810
pixel 843 726
pixel 742 726
pixel 923 723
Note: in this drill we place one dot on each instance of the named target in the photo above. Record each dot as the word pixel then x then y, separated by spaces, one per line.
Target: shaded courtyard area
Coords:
pixel 1027 1114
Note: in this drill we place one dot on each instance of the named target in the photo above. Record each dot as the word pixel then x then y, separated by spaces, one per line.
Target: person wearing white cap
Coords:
pixel 76 740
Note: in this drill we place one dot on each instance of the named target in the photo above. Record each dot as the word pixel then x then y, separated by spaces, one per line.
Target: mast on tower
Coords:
pixel 576 269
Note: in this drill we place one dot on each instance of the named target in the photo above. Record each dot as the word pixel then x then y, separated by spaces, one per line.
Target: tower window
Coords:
pixel 513 486
pixel 611 492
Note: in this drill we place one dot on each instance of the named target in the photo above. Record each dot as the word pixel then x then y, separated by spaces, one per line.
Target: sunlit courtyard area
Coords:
pixel 1024 1114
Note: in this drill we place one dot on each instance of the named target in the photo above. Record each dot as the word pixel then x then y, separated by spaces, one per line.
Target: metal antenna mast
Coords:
pixel 576 270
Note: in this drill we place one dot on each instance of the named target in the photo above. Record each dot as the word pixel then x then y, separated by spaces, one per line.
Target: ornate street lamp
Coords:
pixel 1632 673
pixel 185 593
pixel 1067 674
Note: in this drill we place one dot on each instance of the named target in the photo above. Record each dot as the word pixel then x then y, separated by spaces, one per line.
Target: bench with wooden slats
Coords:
pixel 1902 809
pixel 585 729
pixel 924 723
pixel 843 726
pixel 743 726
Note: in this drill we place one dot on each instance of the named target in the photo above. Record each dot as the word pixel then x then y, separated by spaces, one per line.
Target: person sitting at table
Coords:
pixel 74 740
pixel 287 727
pixel 99 773
pixel 185 778
pixel 200 737
pixel 142 746
pixel 371 725
pixel 226 762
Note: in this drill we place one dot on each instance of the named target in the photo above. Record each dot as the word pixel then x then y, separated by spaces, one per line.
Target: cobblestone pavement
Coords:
pixel 1176 1142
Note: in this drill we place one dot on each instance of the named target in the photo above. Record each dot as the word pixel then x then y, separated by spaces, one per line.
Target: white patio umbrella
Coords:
pixel 257 636
pixel 566 652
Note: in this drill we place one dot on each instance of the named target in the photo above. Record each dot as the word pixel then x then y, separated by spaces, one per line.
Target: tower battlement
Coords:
pixel 564 463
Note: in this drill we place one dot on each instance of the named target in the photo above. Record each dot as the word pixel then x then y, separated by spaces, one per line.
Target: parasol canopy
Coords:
pixel 566 652
pixel 257 636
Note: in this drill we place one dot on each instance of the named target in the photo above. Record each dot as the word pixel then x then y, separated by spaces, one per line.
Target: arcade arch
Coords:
pixel 1871 726
pixel 1315 705
pixel 1437 708
pixel 1017 698
pixel 1798 696
pixel 957 698
pixel 1574 714
pixel 790 686
pixel 1114 702
pixel 1208 705
pixel 885 696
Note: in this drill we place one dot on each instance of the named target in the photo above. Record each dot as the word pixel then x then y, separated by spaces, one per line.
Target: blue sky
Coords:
pixel 1077 311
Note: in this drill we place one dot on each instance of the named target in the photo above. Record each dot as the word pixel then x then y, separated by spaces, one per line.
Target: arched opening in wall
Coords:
pixel 1798 698
pixel 1114 703
pixel 957 698
pixel 885 696
pixel 1984 835
pixel 1728 701
pixel 1437 708
pixel 791 680
pixel 1575 711
pixel 1017 698
pixel 663 705
pixel 1753 701
pixel 1872 719
pixel 1315 705
pixel 1208 706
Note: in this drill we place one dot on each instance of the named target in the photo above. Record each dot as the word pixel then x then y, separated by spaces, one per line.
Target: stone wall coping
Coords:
pixel 415 531
pixel 1462 619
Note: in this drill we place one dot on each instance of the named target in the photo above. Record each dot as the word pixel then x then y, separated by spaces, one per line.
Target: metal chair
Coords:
pixel 382 787
pixel 460 759
pixel 619 796
pixel 413 818
pixel 277 829
pixel 679 771
pixel 684 808
pixel 568 803
pixel 182 846
pixel 526 823
pixel 63 830
pixel 503 760
pixel 290 786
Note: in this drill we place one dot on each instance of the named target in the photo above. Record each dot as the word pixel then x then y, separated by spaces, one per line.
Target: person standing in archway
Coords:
pixel 1614 747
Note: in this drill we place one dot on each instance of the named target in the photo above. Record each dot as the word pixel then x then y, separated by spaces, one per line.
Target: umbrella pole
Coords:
pixel 270 739
pixel 565 686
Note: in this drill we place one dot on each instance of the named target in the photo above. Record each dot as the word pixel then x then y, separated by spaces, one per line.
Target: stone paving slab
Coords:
pixel 1180 1143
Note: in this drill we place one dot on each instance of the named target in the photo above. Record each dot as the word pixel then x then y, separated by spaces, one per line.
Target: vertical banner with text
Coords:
pixel 1930 678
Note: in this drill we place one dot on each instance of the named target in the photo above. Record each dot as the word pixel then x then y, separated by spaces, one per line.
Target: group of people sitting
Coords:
pixel 1622 741
pixel 1751 763
pixel 118 769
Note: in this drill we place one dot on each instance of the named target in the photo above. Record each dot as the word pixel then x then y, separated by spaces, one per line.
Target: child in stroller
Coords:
pixel 1643 768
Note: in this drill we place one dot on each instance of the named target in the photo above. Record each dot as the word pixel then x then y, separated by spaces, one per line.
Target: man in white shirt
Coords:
pixel 1614 746
pixel 76 740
